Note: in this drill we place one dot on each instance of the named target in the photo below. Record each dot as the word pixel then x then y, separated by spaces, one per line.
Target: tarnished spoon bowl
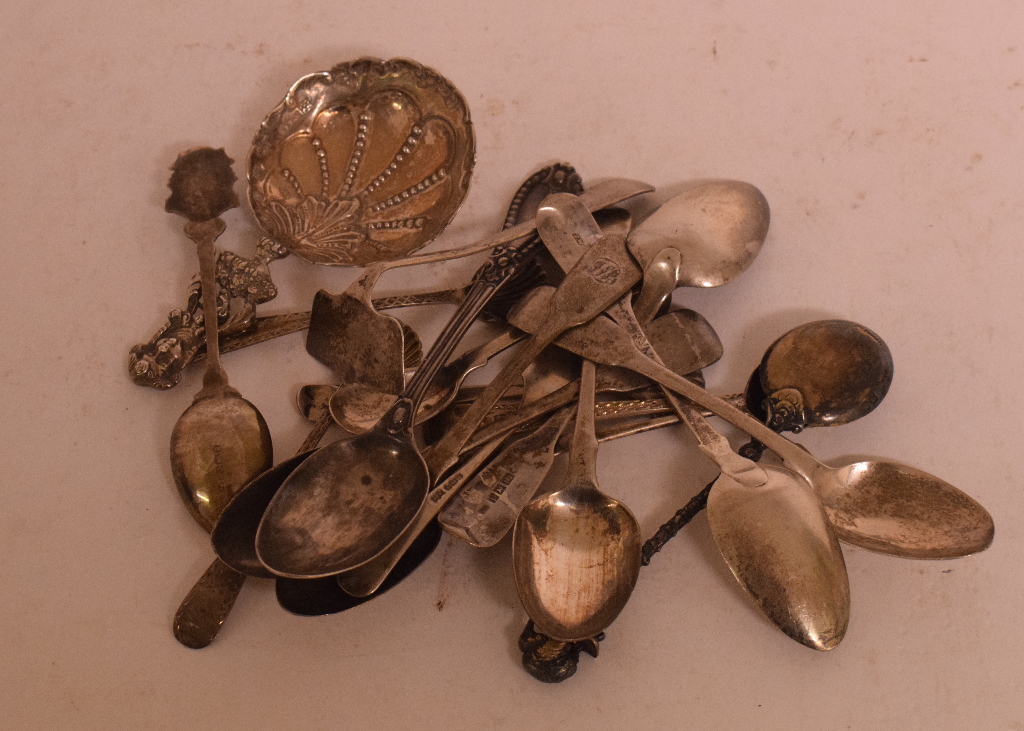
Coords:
pixel 717 225
pixel 822 373
pixel 217 445
pixel 357 408
pixel 567 535
pixel 895 509
pixel 346 503
pixel 234 535
pixel 776 540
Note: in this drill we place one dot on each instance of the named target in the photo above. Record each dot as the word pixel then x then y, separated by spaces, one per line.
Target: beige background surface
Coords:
pixel 887 138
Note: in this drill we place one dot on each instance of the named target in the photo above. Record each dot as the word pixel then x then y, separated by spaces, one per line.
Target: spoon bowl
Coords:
pixel 356 496
pixel 234 535
pixel 562 537
pixel 717 225
pixel 217 446
pixel 823 373
pixel 778 543
pixel 363 163
pixel 891 508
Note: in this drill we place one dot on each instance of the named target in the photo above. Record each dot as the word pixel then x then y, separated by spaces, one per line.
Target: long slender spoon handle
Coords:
pixel 204 233
pixel 583 453
pixel 603 274
pixel 508 257
pixel 604 194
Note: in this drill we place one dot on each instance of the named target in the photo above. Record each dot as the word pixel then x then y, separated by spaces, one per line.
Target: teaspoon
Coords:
pixel 576 552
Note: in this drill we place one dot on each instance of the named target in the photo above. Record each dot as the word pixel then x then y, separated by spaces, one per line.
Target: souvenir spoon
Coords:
pixel 576 552
pixel 879 505
pixel 221 441
pixel 351 500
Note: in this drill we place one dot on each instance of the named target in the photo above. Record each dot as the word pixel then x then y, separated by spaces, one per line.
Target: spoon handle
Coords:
pixel 604 194
pixel 793 455
pixel 502 265
pixel 207 605
pixel 486 508
pixel 508 257
pixel 204 233
pixel 713 444
pixel 583 453
pixel 442 455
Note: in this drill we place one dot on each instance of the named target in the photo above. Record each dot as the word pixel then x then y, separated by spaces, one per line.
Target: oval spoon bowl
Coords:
pixel 778 544
pixel 582 539
pixel 342 506
pixel 217 446
pixel 892 508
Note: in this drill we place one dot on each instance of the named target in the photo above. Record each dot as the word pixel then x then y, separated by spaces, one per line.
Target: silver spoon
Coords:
pixel 576 552
pixel 221 441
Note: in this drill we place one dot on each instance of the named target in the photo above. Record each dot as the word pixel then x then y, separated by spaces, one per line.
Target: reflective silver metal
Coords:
pixel 779 544
pixel 366 162
pixel 576 552
pixel 879 505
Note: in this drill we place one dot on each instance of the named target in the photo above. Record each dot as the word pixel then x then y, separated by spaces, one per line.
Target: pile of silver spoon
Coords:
pixel 584 294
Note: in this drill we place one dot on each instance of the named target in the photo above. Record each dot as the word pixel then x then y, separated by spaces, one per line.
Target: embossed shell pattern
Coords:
pixel 366 162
